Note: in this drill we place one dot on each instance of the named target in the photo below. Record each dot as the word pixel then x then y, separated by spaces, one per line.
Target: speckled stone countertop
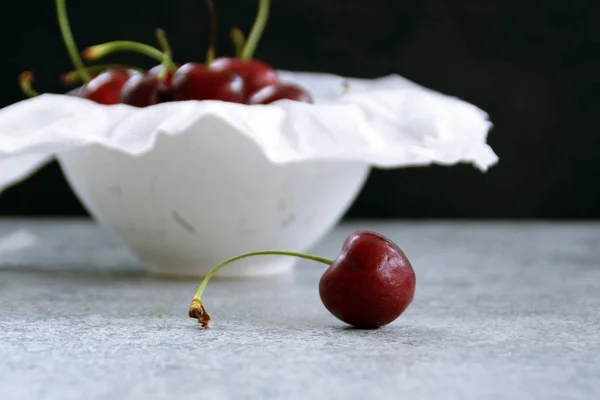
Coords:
pixel 502 311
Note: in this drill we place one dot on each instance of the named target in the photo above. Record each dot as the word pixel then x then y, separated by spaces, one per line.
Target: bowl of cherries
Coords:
pixel 207 193
pixel 192 163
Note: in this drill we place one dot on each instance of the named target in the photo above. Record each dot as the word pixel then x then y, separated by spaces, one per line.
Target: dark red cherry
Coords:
pixel 370 283
pixel 279 91
pixel 106 87
pixel 256 74
pixel 165 92
pixel 194 81
pixel 141 90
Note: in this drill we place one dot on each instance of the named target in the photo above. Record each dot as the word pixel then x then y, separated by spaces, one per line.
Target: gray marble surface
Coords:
pixel 502 311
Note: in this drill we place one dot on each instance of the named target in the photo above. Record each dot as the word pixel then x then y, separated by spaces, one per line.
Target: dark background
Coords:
pixel 534 66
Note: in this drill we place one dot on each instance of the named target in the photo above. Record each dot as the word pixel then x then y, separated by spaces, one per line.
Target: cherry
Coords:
pixel 369 285
pixel 165 93
pixel 371 282
pixel 141 90
pixel 256 74
pixel 165 70
pixel 193 81
pixel 279 91
pixel 157 71
pixel 106 87
pixel 150 88
pixel 99 51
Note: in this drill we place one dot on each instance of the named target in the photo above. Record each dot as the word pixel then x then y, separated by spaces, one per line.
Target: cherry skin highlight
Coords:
pixel 279 91
pixel 141 90
pixel 106 87
pixel 371 282
pixel 158 69
pixel 256 74
pixel 193 81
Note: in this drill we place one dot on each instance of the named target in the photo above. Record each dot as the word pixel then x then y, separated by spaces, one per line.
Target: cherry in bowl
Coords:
pixel 194 81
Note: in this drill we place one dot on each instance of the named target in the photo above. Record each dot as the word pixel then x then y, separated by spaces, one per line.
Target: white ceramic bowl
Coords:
pixel 187 185
pixel 198 198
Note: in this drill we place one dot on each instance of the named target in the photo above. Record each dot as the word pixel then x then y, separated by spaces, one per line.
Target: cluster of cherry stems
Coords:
pixel 239 79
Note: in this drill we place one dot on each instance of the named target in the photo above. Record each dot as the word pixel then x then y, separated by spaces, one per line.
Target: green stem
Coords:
pixel 65 28
pixel 216 269
pixel 238 39
pixel 72 77
pixel 212 40
pixel 259 26
pixel 25 80
pixel 99 51
pixel 161 37
pixel 197 309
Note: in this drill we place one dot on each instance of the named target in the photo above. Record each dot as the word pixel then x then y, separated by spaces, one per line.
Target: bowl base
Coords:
pixel 240 270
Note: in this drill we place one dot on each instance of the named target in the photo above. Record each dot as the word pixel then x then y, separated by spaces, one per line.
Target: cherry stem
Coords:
pixel 197 308
pixel 25 80
pixel 67 34
pixel 257 29
pixel 99 51
pixel 238 39
pixel 161 36
pixel 72 77
pixel 212 40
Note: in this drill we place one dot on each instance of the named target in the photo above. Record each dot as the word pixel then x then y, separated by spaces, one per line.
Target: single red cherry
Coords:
pixel 106 87
pixel 141 90
pixel 256 74
pixel 369 285
pixel 279 91
pixel 165 92
pixel 193 81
